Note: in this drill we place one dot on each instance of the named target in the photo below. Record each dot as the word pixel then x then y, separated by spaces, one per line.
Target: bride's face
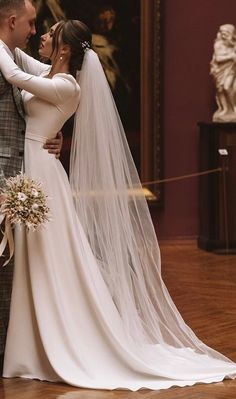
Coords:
pixel 46 48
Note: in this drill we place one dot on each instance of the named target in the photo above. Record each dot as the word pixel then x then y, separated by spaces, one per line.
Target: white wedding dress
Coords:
pixel 64 325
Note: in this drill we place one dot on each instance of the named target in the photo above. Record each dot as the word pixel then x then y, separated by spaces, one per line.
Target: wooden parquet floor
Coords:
pixel 203 286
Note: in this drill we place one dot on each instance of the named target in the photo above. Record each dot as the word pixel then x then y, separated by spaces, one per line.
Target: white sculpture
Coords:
pixel 223 69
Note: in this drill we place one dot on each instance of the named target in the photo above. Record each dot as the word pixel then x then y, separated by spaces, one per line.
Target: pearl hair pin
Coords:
pixel 85 46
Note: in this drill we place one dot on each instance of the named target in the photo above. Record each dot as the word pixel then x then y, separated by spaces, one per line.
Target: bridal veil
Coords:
pixel 113 211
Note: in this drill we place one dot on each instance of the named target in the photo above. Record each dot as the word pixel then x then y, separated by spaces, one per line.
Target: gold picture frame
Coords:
pixel 151 95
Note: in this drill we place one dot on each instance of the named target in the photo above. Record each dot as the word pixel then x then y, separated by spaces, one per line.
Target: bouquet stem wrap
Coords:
pixel 7 238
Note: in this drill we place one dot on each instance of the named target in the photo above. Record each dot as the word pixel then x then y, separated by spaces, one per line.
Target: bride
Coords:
pixel 89 306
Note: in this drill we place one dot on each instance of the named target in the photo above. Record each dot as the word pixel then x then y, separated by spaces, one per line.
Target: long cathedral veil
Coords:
pixel 114 214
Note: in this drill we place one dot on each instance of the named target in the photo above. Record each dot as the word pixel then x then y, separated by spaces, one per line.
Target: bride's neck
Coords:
pixel 59 67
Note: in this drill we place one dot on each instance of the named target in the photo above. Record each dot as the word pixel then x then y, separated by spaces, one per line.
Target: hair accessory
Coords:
pixel 85 46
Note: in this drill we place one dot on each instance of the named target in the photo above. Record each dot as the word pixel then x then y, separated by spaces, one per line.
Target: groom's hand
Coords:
pixel 54 145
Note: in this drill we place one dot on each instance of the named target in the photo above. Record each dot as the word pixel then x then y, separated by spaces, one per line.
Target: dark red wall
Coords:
pixel 190 28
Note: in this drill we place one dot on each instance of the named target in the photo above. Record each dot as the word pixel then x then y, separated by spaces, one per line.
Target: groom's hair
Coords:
pixel 8 7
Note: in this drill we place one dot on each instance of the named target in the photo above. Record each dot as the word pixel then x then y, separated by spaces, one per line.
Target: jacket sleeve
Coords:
pixel 29 64
pixel 56 90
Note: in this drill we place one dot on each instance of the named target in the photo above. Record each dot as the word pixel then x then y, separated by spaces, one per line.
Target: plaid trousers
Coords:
pixel 12 134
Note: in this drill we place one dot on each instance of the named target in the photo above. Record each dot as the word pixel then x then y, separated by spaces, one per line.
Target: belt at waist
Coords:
pixel 35 137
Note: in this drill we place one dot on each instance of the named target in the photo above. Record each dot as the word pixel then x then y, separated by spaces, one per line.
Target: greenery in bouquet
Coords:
pixel 24 202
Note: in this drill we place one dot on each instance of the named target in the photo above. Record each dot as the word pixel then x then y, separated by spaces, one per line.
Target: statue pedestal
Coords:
pixel 217 191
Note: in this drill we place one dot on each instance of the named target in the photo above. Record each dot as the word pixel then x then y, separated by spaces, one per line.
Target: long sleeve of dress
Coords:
pixel 56 90
pixel 29 64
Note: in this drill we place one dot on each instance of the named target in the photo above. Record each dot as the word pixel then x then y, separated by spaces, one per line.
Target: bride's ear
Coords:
pixel 65 50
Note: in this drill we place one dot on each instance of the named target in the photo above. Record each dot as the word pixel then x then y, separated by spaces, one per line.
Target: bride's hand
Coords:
pixel 54 146
pixel 2 198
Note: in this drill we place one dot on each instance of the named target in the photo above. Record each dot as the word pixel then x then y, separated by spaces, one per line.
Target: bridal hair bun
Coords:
pixel 85 46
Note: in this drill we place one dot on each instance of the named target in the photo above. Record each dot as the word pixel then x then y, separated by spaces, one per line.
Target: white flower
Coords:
pixel 34 192
pixel 21 196
pixel 35 207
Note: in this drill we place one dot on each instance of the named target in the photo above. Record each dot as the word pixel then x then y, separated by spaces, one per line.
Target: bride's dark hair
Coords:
pixel 78 36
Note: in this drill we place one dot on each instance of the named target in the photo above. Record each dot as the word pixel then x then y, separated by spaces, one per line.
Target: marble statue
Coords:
pixel 223 70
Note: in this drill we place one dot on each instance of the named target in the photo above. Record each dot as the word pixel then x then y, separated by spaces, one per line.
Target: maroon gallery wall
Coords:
pixel 190 27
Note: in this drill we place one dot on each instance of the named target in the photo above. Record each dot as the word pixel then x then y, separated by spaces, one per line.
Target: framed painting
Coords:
pixel 127 37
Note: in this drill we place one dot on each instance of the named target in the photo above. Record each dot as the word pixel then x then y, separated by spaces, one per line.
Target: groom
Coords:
pixel 17 25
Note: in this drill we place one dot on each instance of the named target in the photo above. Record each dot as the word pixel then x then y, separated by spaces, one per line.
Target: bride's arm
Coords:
pixel 30 64
pixel 55 90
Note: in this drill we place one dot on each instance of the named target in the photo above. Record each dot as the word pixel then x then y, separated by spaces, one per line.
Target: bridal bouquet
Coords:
pixel 22 202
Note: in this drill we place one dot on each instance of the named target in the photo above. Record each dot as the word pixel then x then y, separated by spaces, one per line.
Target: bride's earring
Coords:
pixel 60 58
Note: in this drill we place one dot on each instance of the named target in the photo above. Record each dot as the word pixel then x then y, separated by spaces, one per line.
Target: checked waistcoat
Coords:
pixel 12 135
